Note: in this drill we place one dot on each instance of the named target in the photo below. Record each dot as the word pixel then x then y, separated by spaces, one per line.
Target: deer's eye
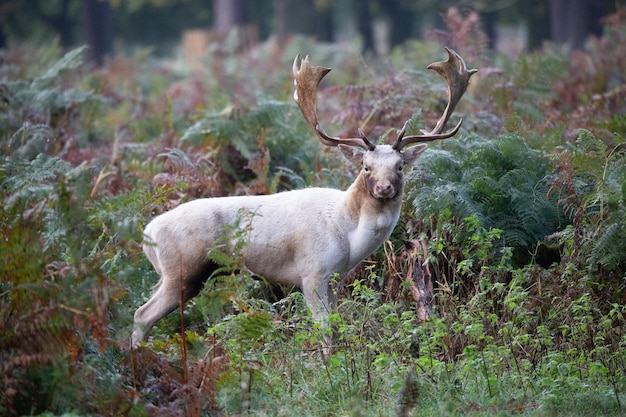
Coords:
pixel 400 168
pixel 366 168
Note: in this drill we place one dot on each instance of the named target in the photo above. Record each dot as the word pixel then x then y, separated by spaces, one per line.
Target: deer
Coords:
pixel 304 237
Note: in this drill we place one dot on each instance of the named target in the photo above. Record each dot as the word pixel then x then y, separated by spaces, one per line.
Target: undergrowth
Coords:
pixel 499 293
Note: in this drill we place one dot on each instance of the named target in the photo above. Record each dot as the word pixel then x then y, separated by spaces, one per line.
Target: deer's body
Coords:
pixel 327 237
pixel 302 237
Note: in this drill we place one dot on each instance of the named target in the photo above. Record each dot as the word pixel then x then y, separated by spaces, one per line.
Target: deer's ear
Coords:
pixel 411 154
pixel 354 155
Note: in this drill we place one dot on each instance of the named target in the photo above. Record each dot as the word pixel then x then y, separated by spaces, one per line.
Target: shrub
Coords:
pixel 503 184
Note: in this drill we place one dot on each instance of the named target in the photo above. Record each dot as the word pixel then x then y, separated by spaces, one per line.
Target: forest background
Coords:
pixel 501 291
pixel 115 26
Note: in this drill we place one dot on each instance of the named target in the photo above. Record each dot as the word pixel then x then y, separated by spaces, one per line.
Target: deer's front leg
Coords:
pixel 322 301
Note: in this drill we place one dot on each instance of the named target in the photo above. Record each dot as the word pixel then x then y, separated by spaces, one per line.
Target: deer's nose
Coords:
pixel 384 189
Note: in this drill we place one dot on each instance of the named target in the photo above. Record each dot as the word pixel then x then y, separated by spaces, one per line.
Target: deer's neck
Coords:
pixel 372 219
pixel 361 204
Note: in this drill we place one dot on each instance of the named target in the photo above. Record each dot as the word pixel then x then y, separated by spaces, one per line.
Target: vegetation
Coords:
pixel 501 291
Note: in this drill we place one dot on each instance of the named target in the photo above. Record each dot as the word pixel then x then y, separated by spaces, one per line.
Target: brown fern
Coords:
pixel 594 90
pixel 31 339
pixel 464 33
pixel 164 389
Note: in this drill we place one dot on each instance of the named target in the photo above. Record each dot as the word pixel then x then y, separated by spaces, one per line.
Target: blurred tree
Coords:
pixel 572 20
pixel 40 19
pixel 229 14
pixel 565 21
pixel 344 20
pixel 5 11
pixel 401 15
pixel 535 14
pixel 309 17
pixel 61 21
pixel 560 21
pixel 568 21
pixel 98 27
pixel 281 19
pixel 160 23
pixel 364 26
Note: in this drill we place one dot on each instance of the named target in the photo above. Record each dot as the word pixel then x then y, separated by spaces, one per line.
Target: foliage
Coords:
pixel 57 300
pixel 592 188
pixel 502 183
pixel 263 132
pixel 500 292
pixel 534 78
pixel 39 115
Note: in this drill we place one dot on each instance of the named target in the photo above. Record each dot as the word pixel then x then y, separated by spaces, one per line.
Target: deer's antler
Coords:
pixel 457 76
pixel 306 79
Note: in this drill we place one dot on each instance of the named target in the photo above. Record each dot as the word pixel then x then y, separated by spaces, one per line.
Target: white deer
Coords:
pixel 302 237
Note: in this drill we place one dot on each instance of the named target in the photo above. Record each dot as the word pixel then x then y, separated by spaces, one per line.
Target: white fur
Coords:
pixel 301 237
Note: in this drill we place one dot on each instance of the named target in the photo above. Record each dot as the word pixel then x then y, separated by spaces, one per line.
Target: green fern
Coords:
pixel 52 293
pixel 501 183
pixel 533 78
pixel 30 124
pixel 69 61
pixel 276 123
pixel 27 182
pixel 601 173
pixel 607 247
pixel 415 123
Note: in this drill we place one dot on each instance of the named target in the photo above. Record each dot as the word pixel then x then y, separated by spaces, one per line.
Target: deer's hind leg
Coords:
pixel 172 291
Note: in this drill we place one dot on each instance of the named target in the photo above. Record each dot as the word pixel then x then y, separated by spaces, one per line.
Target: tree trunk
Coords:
pixel 281 19
pixel 344 20
pixel 228 14
pixel 402 18
pixel 63 24
pixel 568 22
pixel 98 27
pixel 364 25
pixel 536 14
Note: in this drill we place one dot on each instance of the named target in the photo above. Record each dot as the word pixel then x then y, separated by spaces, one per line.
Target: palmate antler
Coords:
pixel 307 79
pixel 457 76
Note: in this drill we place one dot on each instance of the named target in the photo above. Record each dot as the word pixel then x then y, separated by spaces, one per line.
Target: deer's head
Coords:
pixel 382 165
